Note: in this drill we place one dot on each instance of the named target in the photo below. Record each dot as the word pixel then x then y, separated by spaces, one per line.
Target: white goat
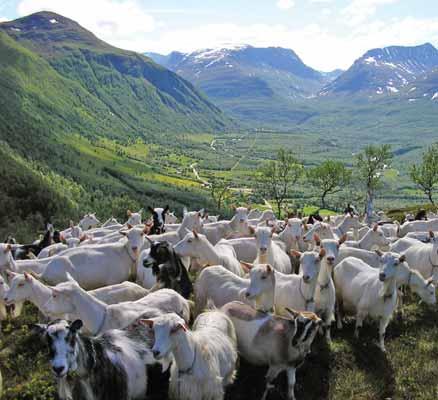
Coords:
pixel 197 246
pixel 359 291
pixel 24 287
pixel 204 358
pixel 373 238
pixel 69 298
pixel 219 285
pixel 289 291
pixel 269 252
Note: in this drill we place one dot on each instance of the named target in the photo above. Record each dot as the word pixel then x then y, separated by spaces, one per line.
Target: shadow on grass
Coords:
pixel 313 378
pixel 368 357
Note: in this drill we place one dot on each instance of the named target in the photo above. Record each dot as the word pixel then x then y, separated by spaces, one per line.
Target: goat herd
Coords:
pixel 262 290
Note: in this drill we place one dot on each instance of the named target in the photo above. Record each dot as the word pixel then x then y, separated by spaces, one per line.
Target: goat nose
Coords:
pixel 263 249
pixel 58 370
pixel 247 294
pixel 306 278
pixel 155 353
pixel 382 276
pixel 330 259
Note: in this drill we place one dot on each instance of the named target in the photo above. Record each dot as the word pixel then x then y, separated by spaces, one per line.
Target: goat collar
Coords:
pixel 387 296
pixel 130 253
pixel 433 265
pixel 190 369
pixel 325 286
pixel 306 301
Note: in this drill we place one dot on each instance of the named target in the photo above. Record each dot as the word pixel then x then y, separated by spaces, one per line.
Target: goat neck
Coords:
pixel 184 351
pixel 90 310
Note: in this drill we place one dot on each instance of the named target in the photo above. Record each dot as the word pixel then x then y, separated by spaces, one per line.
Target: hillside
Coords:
pixel 257 84
pixel 76 106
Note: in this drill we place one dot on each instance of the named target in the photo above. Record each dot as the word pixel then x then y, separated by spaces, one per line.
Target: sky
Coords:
pixel 326 34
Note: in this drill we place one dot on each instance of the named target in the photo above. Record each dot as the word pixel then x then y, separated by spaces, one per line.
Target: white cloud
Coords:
pixel 359 11
pixel 110 20
pixel 285 4
pixel 4 19
pixel 323 46
pixel 315 44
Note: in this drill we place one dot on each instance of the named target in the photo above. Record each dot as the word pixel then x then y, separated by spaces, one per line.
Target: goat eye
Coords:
pixel 189 241
pixel 19 285
pixel 263 277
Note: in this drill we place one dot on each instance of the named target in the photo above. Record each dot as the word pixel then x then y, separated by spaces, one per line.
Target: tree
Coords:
pixel 277 177
pixel 328 178
pixel 370 165
pixel 219 191
pixel 425 174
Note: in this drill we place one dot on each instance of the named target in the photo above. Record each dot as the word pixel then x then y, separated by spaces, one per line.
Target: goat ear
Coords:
pixel 195 234
pixel 295 253
pixel 402 258
pixel 39 329
pixel 379 252
pixel 246 266
pixel 10 274
pixel 178 327
pixel 149 240
pixel 72 224
pixel 431 234
pixel 129 213
pixel 7 249
pixel 69 277
pixel 429 281
pixel 251 230
pixel 317 239
pixel 294 314
pixel 342 239
pixel 27 276
pixel 150 209
pixel 269 268
pixel 166 209
pixel 76 326
pixel 322 253
pixel 124 233
pixel 233 207
pixel 146 322
pixel 83 237
pixel 248 208
pixel 375 227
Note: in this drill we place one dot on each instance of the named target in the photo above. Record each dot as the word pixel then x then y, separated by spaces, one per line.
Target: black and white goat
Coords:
pixel 109 366
pixel 158 218
pixel 168 268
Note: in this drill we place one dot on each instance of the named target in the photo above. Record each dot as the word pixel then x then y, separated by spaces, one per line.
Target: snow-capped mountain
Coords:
pixel 424 87
pixel 385 71
pixel 266 82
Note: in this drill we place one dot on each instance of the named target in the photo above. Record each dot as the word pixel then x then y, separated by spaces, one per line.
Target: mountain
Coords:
pixel 261 84
pixel 384 71
pixel 84 114
pixel 135 90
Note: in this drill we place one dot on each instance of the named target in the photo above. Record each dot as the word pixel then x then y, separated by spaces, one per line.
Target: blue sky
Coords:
pixel 326 34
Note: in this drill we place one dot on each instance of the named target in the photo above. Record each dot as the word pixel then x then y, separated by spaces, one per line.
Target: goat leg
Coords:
pixel 272 373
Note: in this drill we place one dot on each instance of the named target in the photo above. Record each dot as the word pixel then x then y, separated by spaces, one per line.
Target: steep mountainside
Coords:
pixel 84 113
pixel 252 83
pixel 133 89
pixel 384 71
